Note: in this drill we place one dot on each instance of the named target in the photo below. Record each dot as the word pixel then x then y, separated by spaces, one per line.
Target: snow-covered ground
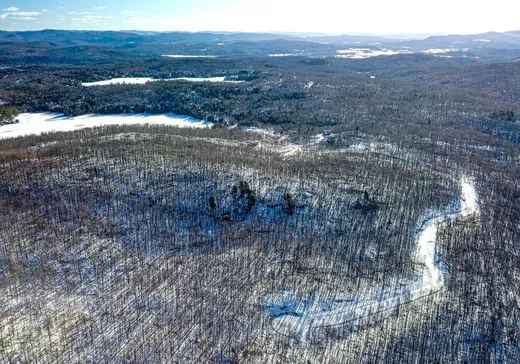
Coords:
pixel 440 50
pixel 362 311
pixel 285 54
pixel 359 53
pixel 38 123
pixel 143 80
pixel 208 79
pixel 309 85
pixel 188 55
pixel 122 80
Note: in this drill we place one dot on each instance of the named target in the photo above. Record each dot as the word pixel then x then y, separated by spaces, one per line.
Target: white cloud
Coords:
pixel 157 19
pixel 15 13
pixel 25 13
pixel 100 7
pixel 91 19
pixel 129 12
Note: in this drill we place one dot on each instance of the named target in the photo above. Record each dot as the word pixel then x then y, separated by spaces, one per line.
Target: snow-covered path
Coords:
pixel 360 312
pixel 38 123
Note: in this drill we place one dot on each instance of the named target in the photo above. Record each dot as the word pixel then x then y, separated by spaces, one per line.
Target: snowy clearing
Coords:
pixel 359 312
pixel 439 50
pixel 143 80
pixel 188 55
pixel 38 123
pixel 285 54
pixel 309 85
pixel 360 53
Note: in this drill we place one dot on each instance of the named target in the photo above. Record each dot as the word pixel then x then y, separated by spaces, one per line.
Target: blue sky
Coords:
pixel 323 16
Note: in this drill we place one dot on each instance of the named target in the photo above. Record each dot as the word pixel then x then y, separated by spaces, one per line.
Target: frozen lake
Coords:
pixel 38 123
pixel 143 80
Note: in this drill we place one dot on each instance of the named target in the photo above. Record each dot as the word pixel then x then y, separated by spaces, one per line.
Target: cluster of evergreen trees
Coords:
pixel 8 114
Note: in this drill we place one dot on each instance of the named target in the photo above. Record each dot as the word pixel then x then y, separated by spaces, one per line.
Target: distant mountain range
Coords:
pixel 46 46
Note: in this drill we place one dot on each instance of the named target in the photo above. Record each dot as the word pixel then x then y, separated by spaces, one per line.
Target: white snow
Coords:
pixel 202 79
pixel 143 80
pixel 266 132
pixel 187 55
pixel 482 40
pixel 359 312
pixel 285 54
pixel 115 81
pixel 438 50
pixel 38 123
pixel 360 53
pixel 309 85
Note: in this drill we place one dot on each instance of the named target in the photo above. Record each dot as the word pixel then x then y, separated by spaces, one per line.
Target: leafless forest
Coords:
pixel 144 244
pixel 336 210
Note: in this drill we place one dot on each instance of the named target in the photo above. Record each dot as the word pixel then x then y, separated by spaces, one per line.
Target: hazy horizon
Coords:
pixel 400 18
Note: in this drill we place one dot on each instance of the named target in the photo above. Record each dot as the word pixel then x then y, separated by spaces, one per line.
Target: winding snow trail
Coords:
pixel 372 309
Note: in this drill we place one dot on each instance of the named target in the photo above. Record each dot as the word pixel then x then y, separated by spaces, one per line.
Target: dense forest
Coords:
pixel 291 93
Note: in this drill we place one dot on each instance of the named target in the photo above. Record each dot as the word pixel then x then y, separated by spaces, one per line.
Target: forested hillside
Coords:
pixel 325 210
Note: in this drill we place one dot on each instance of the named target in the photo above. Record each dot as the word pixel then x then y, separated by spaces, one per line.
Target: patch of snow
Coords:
pixel 309 85
pixel 265 132
pixel 202 79
pixel 187 55
pixel 38 123
pixel 290 150
pixel 360 53
pixel 143 80
pixel 122 80
pixel 437 50
pixel 42 146
pixel 482 40
pixel 285 54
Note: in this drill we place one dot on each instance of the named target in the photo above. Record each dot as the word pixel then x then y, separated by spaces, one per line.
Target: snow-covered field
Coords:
pixel 440 50
pixel 360 53
pixel 285 54
pixel 188 55
pixel 38 123
pixel 143 80
pixel 361 311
